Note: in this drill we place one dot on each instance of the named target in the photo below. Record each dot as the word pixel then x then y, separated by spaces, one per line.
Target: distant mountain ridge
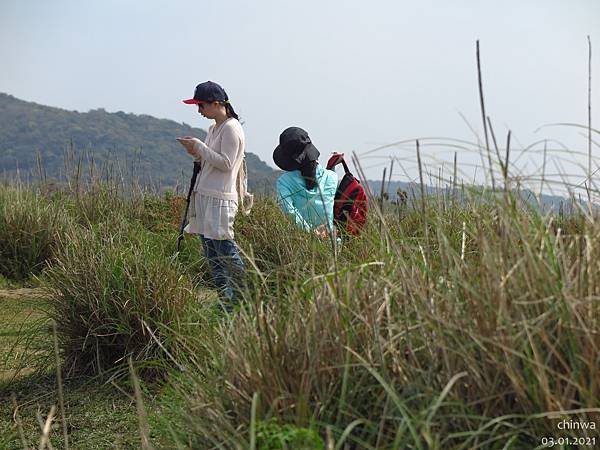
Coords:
pixel 545 203
pixel 143 142
pixel 29 129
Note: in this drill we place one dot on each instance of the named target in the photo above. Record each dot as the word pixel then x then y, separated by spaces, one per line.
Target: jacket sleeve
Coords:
pixel 224 160
pixel 284 199
pixel 329 193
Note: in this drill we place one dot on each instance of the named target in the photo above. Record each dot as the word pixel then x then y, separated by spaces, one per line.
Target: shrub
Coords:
pixel 271 435
pixel 30 230
pixel 117 295
pixel 272 239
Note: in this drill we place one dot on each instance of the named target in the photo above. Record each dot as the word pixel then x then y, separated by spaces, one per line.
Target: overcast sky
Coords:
pixel 355 74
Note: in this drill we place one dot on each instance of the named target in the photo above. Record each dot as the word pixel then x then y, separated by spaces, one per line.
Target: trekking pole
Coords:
pixel 197 167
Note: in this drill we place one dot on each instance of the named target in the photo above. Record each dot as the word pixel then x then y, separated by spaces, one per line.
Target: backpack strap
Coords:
pixel 335 159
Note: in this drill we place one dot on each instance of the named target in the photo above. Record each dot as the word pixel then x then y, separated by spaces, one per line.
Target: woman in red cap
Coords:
pixel 219 186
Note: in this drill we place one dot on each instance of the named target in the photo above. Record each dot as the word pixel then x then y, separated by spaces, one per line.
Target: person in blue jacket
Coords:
pixel 306 191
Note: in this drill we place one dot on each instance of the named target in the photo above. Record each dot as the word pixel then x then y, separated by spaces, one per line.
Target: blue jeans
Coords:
pixel 226 266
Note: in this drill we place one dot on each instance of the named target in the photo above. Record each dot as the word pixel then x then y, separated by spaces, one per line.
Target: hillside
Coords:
pixel 140 141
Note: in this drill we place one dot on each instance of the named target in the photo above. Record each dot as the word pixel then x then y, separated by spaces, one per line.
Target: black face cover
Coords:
pixel 309 173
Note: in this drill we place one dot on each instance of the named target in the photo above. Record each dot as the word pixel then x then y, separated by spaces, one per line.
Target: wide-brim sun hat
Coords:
pixel 295 149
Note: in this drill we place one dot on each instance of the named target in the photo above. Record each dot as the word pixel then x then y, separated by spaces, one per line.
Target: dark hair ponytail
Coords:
pixel 230 111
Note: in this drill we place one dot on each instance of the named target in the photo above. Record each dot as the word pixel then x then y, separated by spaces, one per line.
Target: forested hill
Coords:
pixel 29 129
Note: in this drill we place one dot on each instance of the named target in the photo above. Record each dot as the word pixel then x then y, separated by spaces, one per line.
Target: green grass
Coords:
pixel 23 336
pixel 99 415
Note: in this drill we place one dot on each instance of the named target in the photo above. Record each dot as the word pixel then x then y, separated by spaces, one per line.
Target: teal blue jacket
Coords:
pixel 308 209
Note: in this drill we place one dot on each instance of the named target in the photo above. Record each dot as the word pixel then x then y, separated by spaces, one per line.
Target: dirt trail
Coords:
pixel 11 294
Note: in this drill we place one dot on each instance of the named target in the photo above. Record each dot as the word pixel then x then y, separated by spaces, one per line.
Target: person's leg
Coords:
pixel 233 267
pixel 218 268
pixel 236 266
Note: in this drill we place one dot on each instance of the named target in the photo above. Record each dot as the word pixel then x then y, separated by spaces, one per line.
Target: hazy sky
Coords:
pixel 356 75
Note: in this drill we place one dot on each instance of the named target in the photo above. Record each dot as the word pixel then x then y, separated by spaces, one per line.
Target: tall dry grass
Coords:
pixel 463 327
pixel 30 228
pixel 117 294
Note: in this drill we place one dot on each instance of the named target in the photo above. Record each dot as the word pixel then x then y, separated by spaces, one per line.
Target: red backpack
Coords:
pixel 350 206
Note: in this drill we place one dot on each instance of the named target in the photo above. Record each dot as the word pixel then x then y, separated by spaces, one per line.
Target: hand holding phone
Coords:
pixel 188 143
